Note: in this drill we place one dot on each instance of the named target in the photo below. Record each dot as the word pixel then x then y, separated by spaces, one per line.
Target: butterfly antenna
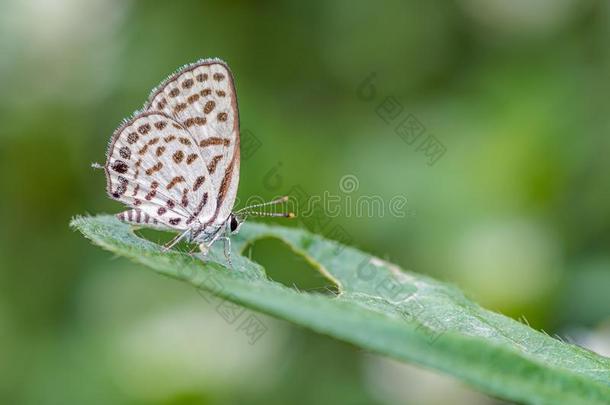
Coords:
pixel 271 214
pixel 276 201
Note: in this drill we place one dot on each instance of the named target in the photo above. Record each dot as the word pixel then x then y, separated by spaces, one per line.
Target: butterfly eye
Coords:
pixel 233 224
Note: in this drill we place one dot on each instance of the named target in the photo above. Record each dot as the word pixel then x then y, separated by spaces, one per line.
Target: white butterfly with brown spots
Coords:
pixel 175 163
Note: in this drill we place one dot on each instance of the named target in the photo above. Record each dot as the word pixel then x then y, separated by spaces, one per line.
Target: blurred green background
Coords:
pixel 516 212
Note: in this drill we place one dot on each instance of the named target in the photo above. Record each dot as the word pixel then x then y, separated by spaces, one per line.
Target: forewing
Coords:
pixel 154 165
pixel 202 98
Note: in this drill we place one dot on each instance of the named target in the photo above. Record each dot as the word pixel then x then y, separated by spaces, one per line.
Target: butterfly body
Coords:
pixel 201 234
pixel 175 163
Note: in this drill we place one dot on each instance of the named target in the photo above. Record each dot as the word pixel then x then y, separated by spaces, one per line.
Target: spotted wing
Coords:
pixel 202 98
pixel 155 167
pixel 136 216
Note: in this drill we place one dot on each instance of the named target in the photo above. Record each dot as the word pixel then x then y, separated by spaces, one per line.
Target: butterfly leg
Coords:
pixel 227 249
pixel 174 241
pixel 204 249
pixel 192 251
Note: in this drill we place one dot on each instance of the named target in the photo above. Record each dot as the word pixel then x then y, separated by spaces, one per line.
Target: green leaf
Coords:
pixel 383 309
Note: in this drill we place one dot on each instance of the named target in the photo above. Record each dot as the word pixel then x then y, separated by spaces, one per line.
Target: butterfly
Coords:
pixel 175 163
